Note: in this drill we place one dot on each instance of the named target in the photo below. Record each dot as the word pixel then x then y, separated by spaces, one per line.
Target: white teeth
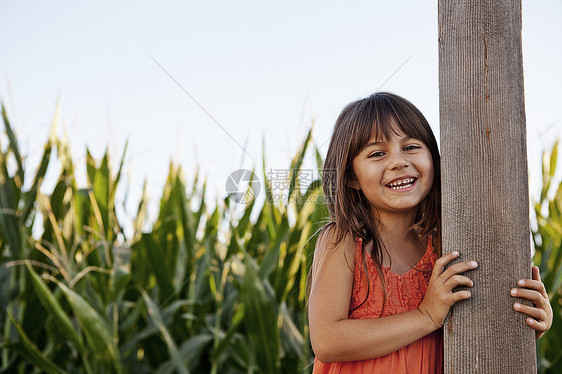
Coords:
pixel 403 183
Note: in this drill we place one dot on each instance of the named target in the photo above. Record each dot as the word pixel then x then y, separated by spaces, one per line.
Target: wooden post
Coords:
pixel 484 179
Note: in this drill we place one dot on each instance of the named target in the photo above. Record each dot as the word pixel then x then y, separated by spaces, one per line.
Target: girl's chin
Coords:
pixel 403 208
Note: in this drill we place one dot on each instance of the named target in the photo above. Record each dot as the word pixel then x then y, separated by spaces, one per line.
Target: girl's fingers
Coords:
pixel 536 274
pixel 535 296
pixel 536 285
pixel 458 280
pixel 540 315
pixel 460 295
pixel 538 326
pixel 461 267
pixel 532 295
pixel 442 261
pixel 537 314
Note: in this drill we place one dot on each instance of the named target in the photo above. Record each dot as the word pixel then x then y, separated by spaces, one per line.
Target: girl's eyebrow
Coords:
pixel 371 144
pixel 404 139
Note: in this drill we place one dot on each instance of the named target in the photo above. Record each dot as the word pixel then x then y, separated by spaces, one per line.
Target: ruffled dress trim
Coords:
pixel 403 292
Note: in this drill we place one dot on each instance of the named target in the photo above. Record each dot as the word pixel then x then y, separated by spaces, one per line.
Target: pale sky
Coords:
pixel 261 70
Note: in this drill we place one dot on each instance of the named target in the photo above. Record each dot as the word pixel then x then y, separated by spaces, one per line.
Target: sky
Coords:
pixel 208 83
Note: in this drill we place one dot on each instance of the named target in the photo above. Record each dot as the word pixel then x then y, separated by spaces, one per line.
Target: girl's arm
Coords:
pixel 336 338
pixel 540 314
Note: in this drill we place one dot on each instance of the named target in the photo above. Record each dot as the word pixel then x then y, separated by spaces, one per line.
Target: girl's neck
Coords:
pixel 403 247
pixel 397 228
pixel 395 223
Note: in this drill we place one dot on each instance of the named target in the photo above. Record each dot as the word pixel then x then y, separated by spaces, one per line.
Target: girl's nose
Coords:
pixel 398 162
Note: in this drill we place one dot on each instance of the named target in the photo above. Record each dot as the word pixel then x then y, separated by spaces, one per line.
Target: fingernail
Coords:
pixel 455 253
pixel 514 292
pixel 521 282
pixel 474 263
pixel 517 306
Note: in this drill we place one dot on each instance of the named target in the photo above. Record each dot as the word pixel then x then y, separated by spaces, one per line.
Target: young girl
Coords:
pixel 378 289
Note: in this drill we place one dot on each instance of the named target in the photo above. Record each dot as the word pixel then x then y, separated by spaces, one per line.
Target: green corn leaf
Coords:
pixel 272 257
pixel 244 222
pixel 201 210
pixel 228 338
pixel 118 176
pixel 184 208
pixel 141 212
pixel 191 350
pixel 269 204
pixel 136 335
pixel 13 145
pixel 102 193
pixel 58 207
pixel 30 351
pixel 182 268
pixel 179 254
pixel 65 158
pixel 54 309
pixel 258 235
pixel 296 165
pixel 260 321
pixel 199 290
pixel 166 207
pixel 319 160
pixel 9 222
pixel 233 246
pixel 212 225
pixel 195 181
pixel 549 160
pixel 29 200
pixel 96 331
pixel 187 239
pixel 119 280
pixel 290 268
pixel 240 354
pixel 158 264
pixel 90 168
pixel 312 198
pixel 83 210
pixel 292 339
pixel 553 159
pixel 156 318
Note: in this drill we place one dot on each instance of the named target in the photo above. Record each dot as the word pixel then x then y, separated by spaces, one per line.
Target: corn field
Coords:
pixel 204 290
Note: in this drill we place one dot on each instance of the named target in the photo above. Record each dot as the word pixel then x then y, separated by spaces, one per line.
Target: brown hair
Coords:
pixel 377 116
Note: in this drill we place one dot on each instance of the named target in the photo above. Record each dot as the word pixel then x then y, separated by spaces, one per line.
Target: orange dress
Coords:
pixel 404 292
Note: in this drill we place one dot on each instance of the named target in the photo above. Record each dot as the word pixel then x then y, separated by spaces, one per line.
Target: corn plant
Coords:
pixel 203 290
pixel 547 238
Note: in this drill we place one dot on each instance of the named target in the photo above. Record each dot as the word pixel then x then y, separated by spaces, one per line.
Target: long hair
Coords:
pixel 378 116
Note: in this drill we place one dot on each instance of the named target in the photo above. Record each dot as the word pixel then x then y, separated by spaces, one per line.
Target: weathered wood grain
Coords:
pixel 484 179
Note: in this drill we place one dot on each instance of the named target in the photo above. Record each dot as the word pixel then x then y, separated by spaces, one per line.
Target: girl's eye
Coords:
pixel 411 147
pixel 376 154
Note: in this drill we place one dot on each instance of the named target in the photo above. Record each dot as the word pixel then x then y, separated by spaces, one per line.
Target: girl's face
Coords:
pixel 394 174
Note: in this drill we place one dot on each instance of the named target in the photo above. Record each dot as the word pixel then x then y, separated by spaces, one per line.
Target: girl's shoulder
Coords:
pixel 328 242
pixel 329 248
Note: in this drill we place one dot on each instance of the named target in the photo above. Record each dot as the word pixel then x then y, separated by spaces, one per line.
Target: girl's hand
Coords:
pixel 439 296
pixel 540 314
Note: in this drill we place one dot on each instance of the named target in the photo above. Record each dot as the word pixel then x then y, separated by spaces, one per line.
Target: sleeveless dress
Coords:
pixel 404 292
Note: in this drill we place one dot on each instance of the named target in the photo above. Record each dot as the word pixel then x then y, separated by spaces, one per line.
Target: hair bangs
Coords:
pixel 399 117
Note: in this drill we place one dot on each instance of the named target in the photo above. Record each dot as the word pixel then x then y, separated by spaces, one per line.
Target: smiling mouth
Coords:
pixel 401 184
